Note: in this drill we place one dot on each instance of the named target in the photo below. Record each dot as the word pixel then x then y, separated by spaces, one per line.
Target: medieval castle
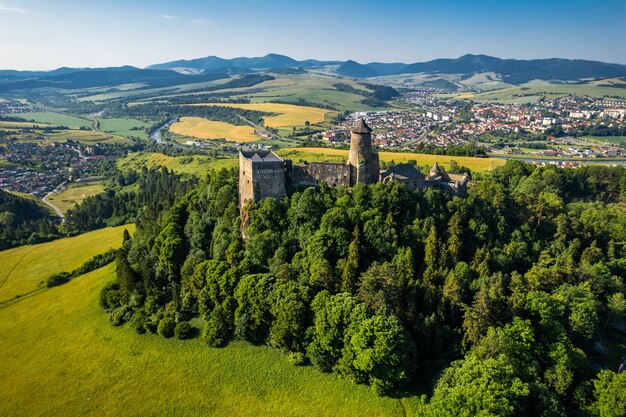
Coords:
pixel 264 174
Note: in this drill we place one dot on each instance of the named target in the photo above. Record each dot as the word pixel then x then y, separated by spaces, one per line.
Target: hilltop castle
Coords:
pixel 263 174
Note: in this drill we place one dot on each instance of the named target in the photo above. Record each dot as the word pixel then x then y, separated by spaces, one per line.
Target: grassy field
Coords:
pixel 340 155
pixel 532 91
pixel 198 127
pixel 75 193
pixel 617 140
pixel 56 119
pixel 124 127
pixel 316 88
pixel 61 356
pixel 87 137
pixel 21 125
pixel 23 268
pixel 288 115
pixel 198 165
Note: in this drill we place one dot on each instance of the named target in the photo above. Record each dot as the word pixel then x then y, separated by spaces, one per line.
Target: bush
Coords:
pixel 183 330
pixel 120 315
pixel 166 327
pixel 217 329
pixel 139 322
pixel 296 358
pixel 57 279
pixel 110 296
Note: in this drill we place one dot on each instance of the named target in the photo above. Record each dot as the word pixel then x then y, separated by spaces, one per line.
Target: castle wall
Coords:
pixel 312 174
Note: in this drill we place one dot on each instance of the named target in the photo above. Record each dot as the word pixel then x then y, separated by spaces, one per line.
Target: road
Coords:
pixel 55 208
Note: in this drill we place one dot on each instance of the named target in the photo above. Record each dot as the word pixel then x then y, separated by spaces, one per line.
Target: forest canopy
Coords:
pixel 504 302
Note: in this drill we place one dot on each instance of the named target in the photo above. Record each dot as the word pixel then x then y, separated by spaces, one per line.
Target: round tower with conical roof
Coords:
pixel 363 160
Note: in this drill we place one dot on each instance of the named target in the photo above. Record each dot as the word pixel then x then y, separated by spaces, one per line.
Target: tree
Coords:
pixel 335 319
pixel 609 390
pixel 350 273
pixel 381 353
pixel 474 387
pixel 290 309
pixel 218 328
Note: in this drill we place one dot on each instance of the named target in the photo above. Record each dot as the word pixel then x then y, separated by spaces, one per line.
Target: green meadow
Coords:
pixel 124 127
pixel 61 356
pixel 22 269
pixel 198 165
pixel 56 119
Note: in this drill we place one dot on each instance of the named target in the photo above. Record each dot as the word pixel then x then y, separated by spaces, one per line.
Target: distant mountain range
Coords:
pixel 513 71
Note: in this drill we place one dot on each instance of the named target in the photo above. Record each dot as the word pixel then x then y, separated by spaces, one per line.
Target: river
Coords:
pixel 156 133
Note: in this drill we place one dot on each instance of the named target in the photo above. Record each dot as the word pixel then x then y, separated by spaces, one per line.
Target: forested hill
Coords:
pixel 24 220
pixel 498 301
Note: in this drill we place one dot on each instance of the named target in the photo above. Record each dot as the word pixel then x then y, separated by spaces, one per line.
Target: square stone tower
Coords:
pixel 363 160
pixel 261 174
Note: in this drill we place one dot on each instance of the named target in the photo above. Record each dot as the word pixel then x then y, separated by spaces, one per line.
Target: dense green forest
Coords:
pixel 507 302
pixel 24 221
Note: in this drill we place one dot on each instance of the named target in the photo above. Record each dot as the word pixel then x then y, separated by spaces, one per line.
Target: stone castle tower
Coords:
pixel 261 174
pixel 363 160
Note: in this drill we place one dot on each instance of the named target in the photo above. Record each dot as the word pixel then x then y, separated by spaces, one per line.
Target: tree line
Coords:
pixel 497 300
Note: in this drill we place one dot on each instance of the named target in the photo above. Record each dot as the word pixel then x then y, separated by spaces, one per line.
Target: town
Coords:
pixel 572 126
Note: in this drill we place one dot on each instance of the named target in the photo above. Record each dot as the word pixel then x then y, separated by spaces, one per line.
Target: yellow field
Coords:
pixel 289 115
pixel 198 127
pixel 23 268
pixel 75 193
pixel 340 155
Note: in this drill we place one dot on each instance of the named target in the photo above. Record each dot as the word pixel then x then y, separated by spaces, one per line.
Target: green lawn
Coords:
pixel 56 119
pixel 60 356
pixel 23 268
pixel 124 127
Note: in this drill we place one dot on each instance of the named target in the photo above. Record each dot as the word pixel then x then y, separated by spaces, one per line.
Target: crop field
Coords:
pixel 198 127
pixel 288 115
pixel 23 268
pixel 340 155
pixel 75 193
pixel 198 165
pixel 60 345
pixel 124 127
pixel 533 91
pixel 56 119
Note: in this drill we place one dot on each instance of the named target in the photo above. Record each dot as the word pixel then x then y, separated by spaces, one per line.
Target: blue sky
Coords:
pixel 38 34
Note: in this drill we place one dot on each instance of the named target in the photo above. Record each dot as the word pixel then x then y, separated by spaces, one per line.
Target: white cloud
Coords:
pixel 168 16
pixel 16 10
pixel 197 21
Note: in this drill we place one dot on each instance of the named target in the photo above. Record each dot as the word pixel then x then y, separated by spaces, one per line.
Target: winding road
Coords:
pixel 55 208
